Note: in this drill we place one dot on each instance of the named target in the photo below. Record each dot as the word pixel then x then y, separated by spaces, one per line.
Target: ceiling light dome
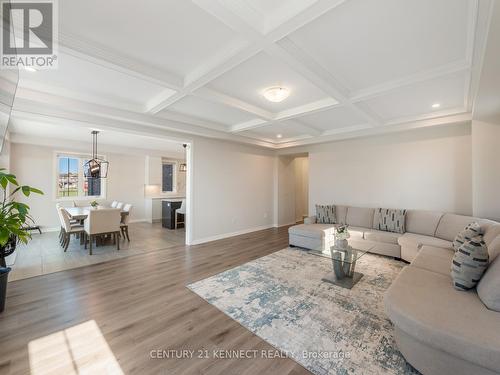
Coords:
pixel 276 94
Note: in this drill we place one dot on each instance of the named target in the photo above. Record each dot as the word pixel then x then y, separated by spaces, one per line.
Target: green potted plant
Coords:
pixel 94 204
pixel 14 223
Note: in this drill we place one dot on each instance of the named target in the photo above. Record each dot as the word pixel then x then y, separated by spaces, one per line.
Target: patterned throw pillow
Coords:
pixel 471 230
pixel 469 263
pixel 390 220
pixel 325 214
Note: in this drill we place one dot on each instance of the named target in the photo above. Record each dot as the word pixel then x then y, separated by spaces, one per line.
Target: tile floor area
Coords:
pixel 44 255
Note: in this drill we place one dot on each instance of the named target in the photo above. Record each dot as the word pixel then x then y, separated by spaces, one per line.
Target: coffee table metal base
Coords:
pixel 345 282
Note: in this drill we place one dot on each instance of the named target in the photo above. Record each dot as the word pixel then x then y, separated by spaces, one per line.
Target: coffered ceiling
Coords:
pixel 352 66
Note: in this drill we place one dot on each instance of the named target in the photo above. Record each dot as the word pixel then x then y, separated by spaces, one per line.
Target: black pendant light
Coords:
pixel 183 166
pixel 95 167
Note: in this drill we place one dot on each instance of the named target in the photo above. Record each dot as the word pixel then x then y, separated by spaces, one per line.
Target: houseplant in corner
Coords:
pixel 14 221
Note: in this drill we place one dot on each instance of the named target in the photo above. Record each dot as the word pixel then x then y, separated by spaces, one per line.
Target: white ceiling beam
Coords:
pixel 109 59
pixel 307 109
pixel 217 97
pixel 291 54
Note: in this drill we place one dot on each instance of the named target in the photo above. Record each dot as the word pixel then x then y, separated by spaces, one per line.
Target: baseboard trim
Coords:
pixel 285 225
pixel 232 234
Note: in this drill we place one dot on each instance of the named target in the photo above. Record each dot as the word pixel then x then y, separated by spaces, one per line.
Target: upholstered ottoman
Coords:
pixel 312 236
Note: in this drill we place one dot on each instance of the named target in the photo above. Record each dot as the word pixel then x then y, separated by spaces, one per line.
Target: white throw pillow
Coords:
pixel 469 263
pixel 325 214
pixel 470 231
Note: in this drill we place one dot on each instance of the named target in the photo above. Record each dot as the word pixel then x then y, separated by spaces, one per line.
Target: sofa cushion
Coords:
pixel 325 214
pixel 422 222
pixel 357 232
pixel 450 225
pixel 424 305
pixel 381 236
pixel 360 217
pixel 341 213
pixel 469 263
pixel 488 288
pixel 470 231
pixel 494 249
pixel 312 230
pixel 389 220
pixel 411 239
pixel 435 259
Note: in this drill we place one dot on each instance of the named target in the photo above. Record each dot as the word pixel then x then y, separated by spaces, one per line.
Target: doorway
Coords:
pixel 292 189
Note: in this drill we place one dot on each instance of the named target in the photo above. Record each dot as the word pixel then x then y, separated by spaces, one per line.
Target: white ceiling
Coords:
pixel 202 65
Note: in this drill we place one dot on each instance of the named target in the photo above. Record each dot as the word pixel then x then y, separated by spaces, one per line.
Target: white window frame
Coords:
pixel 175 165
pixel 55 177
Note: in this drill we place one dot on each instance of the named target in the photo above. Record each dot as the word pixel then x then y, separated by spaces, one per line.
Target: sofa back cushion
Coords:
pixel 450 225
pixel 488 288
pixel 389 220
pixel 491 230
pixel 341 212
pixel 325 214
pixel 422 222
pixel 360 217
pixel 469 263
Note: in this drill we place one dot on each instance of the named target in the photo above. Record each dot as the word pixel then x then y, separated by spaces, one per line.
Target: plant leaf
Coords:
pixel 26 190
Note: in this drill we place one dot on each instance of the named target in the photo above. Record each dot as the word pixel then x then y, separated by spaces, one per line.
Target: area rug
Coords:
pixel 326 328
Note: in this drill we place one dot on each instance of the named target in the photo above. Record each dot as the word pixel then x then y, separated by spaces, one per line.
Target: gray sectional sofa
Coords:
pixel 423 228
pixel 438 329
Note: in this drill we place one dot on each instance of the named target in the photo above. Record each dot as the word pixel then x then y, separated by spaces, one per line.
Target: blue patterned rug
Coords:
pixel 327 329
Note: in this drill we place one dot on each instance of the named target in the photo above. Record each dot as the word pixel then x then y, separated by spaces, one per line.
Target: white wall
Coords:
pixel 286 190
pixel 421 169
pixel 233 189
pixel 486 169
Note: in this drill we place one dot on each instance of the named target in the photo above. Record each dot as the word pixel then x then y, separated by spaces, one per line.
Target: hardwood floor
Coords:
pixel 109 317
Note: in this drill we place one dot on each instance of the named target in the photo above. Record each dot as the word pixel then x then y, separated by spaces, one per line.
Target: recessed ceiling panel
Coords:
pixel 248 81
pixel 82 80
pixel 206 110
pixel 366 43
pixel 445 93
pixel 287 130
pixel 335 118
pixel 174 35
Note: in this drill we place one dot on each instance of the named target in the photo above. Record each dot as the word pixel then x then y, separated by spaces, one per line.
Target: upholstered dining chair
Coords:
pixel 114 204
pixel 119 205
pixel 69 228
pixel 100 222
pixel 125 220
pixel 180 211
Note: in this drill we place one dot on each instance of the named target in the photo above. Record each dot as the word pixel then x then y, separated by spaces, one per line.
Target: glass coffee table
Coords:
pixel 343 265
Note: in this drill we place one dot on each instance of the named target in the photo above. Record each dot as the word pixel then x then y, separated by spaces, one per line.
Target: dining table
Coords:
pixel 81 213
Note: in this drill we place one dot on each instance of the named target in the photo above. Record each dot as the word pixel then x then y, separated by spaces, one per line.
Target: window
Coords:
pixel 70 182
pixel 168 177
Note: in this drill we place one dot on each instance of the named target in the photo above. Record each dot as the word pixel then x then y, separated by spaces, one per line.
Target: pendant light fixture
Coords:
pixel 95 167
pixel 183 166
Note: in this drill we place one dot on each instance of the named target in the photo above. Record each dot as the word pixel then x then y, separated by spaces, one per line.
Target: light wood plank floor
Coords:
pixel 108 317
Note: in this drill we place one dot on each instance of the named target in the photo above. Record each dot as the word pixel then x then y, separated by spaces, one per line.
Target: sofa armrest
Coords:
pixel 310 220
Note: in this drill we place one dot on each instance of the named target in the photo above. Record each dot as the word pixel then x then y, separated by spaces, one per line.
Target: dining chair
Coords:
pixel 61 222
pixel 180 211
pixel 81 203
pixel 119 205
pixel 100 222
pixel 69 228
pixel 114 204
pixel 125 220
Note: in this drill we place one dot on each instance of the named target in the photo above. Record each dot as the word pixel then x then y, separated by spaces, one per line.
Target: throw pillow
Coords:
pixel 390 220
pixel 470 231
pixel 469 263
pixel 325 214
pixel 488 288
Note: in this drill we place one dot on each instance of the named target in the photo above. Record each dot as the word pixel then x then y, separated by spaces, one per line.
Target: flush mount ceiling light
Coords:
pixel 276 94
pixel 95 167
pixel 279 136
pixel 436 105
